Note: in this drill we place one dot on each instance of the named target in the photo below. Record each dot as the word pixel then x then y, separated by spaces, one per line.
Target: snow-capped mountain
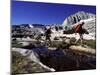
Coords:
pixel 81 15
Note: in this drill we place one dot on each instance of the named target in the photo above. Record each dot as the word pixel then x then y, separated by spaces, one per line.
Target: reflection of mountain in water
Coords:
pixel 64 62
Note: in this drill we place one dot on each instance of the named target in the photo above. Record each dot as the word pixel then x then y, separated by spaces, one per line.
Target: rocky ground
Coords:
pixel 20 65
pixel 71 56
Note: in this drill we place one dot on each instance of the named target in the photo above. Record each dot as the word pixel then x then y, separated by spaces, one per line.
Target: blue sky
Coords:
pixel 44 13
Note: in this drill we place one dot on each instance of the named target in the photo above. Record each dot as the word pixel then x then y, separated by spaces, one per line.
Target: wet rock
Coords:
pixel 21 64
pixel 34 59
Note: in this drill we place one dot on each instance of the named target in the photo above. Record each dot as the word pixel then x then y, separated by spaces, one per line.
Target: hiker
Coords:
pixel 48 34
pixel 80 31
pixel 56 28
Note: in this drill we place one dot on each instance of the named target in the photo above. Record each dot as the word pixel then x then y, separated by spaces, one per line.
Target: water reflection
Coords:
pixel 60 61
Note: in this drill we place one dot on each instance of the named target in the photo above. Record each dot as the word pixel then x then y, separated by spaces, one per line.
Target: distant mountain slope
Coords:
pixel 81 15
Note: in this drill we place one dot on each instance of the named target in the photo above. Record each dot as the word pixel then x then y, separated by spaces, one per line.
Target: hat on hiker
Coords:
pixel 82 22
